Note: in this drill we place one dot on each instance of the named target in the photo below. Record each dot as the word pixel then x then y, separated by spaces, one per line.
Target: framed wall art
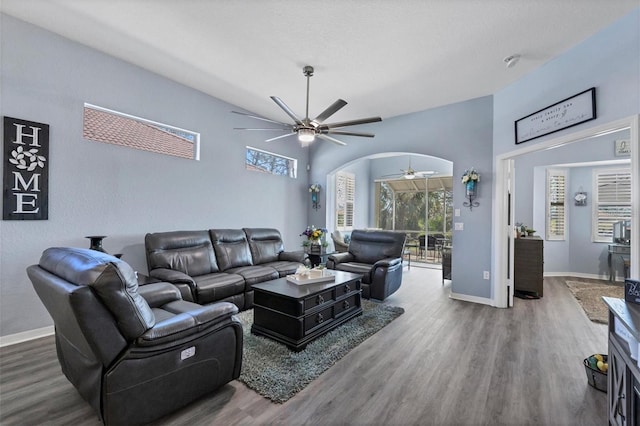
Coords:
pixel 567 113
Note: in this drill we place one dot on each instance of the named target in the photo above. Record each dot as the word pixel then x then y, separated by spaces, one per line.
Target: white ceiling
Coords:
pixel 385 57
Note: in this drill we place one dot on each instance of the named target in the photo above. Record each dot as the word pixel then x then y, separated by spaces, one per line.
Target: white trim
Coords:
pixel 577 275
pixel 25 336
pixel 499 282
pixel 473 299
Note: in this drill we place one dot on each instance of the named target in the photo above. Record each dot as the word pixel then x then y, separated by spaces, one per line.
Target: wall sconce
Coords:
pixel 314 189
pixel 470 180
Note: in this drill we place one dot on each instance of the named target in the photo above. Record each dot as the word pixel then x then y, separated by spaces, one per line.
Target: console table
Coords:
pixel 622 250
pixel 297 314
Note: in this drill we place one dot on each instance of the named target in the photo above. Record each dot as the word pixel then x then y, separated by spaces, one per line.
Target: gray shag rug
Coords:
pixel 277 373
pixel 589 296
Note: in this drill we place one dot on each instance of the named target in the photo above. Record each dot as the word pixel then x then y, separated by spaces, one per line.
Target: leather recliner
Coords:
pixel 134 353
pixel 377 255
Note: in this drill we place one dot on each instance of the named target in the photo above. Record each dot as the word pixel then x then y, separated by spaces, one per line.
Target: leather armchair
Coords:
pixel 133 353
pixel 377 255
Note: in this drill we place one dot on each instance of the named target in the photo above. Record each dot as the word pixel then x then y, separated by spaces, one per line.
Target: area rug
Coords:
pixel 589 295
pixel 277 373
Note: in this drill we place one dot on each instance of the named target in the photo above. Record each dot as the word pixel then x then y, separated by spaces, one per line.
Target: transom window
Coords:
pixel 267 162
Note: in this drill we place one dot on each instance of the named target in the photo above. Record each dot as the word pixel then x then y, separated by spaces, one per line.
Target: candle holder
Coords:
pixel 96 242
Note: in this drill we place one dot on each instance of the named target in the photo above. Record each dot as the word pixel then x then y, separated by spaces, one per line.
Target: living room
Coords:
pixel 103 189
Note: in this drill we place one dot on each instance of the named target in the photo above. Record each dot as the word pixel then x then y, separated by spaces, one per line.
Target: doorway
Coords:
pixel 503 235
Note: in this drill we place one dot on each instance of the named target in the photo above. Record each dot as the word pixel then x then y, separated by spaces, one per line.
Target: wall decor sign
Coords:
pixel 622 148
pixel 26 170
pixel 567 113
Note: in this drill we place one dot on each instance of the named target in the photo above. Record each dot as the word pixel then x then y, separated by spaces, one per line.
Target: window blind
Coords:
pixel 345 200
pixel 613 201
pixel 556 209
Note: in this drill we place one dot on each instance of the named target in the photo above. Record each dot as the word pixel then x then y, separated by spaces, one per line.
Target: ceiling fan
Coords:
pixel 305 128
pixel 410 173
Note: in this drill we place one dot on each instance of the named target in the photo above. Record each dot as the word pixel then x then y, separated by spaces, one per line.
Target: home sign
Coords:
pixel 26 171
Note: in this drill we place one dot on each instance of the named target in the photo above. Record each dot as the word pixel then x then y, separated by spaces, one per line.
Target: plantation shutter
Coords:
pixel 556 200
pixel 345 200
pixel 613 201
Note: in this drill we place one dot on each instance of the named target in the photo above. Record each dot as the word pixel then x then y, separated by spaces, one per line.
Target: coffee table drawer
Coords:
pixel 350 303
pixel 318 299
pixel 320 319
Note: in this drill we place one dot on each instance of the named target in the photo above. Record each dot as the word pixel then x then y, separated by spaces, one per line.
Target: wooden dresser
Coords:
pixel 623 377
pixel 528 265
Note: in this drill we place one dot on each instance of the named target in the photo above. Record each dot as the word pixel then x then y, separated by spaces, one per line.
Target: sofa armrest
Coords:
pixel 341 257
pixel 188 318
pixel 158 294
pixel 389 261
pixel 293 256
pixel 182 281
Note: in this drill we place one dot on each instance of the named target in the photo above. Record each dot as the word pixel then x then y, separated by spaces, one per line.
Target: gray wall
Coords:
pixel 103 189
pixel 460 133
pixel 608 61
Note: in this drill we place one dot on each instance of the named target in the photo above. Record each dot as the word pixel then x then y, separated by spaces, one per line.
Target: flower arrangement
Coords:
pixel 470 175
pixel 314 187
pixel 314 234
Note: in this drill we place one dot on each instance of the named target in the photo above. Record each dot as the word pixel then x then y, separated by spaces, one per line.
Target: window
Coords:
pixel 267 162
pixel 104 125
pixel 556 204
pixel 612 201
pixel 345 200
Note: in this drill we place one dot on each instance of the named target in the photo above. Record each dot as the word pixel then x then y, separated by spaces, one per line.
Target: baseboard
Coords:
pixel 25 336
pixel 581 275
pixel 473 299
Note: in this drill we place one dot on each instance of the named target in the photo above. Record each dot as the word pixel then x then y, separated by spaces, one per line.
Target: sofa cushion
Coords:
pixel 265 244
pixel 189 252
pixel 231 248
pixel 284 267
pixel 217 286
pixel 255 274
pixel 113 280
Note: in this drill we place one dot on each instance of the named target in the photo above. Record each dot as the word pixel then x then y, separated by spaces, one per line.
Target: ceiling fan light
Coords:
pixel 306 135
pixel 409 176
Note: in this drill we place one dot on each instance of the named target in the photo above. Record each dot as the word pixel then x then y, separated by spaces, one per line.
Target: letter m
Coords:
pixel 19 181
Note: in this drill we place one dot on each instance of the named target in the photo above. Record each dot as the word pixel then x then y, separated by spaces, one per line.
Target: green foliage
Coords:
pixel 410 210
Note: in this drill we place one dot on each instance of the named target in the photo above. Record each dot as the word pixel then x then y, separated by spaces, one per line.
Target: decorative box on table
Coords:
pixel 632 291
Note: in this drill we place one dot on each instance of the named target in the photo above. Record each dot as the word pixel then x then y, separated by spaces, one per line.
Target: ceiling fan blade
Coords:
pixel 257 117
pixel 351 123
pixel 272 128
pixel 280 137
pixel 288 110
pixel 333 108
pixel 342 132
pixel 330 139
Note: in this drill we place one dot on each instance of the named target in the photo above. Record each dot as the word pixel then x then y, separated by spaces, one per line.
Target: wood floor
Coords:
pixel 444 362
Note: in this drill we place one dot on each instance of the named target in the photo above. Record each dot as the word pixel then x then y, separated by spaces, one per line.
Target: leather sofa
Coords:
pixel 377 255
pixel 220 264
pixel 133 353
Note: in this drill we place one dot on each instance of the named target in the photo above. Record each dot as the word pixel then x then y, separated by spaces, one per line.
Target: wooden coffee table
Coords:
pixel 297 314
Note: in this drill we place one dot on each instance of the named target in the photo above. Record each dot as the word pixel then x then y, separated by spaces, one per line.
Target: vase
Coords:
pixel 315 248
pixel 96 242
pixel 471 188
